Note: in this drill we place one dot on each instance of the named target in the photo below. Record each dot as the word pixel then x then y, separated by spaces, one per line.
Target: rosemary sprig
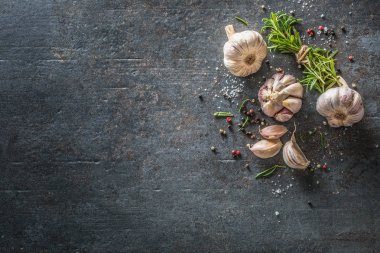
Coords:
pixel 243 104
pixel 269 172
pixel 241 20
pixel 223 114
pixel 283 36
pixel 319 64
pixel 245 122
pixel 323 139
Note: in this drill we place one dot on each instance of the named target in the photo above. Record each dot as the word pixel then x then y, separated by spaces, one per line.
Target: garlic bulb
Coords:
pixel 293 155
pixel 281 97
pixel 266 148
pixel 273 132
pixel 244 51
pixel 342 106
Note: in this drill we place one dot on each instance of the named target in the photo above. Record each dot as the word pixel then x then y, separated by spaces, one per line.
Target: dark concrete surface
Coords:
pixel 105 146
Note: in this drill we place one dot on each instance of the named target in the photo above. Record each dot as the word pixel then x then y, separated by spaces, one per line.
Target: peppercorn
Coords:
pixel 229 120
pixel 213 149
pixel 324 166
pixel 233 152
pixel 310 32
pixel 242 119
pixel 267 62
pixel 343 29
pixel 350 58
pixel 200 97
pixel 321 28
pixel 251 111
pixel 291 12
pixel 238 153
pixel 310 204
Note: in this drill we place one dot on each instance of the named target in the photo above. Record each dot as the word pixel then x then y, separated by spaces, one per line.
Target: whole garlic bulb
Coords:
pixel 281 97
pixel 342 106
pixel 243 52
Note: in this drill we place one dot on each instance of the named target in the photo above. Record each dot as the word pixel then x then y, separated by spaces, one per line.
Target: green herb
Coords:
pixel 223 114
pixel 241 20
pixel 323 139
pixel 243 104
pixel 283 36
pixel 269 172
pixel 245 122
pixel 319 64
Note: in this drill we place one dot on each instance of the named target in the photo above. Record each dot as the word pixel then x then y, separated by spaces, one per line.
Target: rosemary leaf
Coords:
pixel 241 20
pixel 269 172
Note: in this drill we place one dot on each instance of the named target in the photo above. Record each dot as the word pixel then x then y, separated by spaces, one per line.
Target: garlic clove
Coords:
pixel 266 148
pixel 293 155
pixel 273 132
pixel 293 104
pixel 243 52
pixel 295 90
pixel 286 80
pixel 283 115
pixel 271 108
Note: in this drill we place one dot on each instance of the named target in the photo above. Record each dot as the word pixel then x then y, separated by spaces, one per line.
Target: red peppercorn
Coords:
pixel 238 153
pixel 350 58
pixel 324 166
pixel 233 152
pixel 321 28
pixel 229 120
pixel 310 32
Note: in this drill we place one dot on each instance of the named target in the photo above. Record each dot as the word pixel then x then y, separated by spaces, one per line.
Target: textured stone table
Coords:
pixel 105 145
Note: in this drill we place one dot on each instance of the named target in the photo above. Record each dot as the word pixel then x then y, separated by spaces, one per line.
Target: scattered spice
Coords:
pixel 350 58
pixel 229 120
pixel 321 28
pixel 213 149
pixel 200 97
pixel 241 20
pixel 269 172
pixel 310 204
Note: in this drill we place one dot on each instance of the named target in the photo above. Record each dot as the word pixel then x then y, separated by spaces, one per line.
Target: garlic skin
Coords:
pixel 266 148
pixel 341 106
pixel 273 132
pixel 293 155
pixel 243 52
pixel 281 97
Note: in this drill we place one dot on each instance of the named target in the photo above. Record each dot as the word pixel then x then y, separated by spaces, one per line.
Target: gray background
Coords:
pixel 105 145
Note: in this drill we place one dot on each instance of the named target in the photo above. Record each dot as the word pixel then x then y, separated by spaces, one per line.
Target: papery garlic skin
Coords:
pixel 293 155
pixel 281 97
pixel 243 52
pixel 273 132
pixel 266 148
pixel 342 106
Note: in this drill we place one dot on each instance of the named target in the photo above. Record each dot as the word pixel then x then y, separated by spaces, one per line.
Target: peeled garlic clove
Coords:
pixel 342 106
pixel 283 115
pixel 293 155
pixel 266 148
pixel 243 52
pixel 280 97
pixel 292 104
pixel 273 132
